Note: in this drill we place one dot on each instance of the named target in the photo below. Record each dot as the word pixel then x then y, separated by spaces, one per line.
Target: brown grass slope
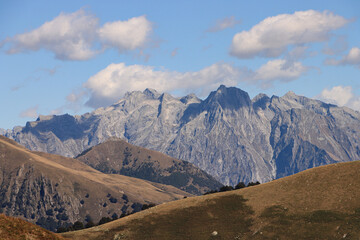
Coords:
pixel 320 203
pixel 17 229
pixel 54 190
pixel 120 157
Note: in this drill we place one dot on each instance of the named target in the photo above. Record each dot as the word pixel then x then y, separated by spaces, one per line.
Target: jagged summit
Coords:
pixel 228 97
pixel 290 94
pixel 151 93
pixel 261 101
pixel 190 98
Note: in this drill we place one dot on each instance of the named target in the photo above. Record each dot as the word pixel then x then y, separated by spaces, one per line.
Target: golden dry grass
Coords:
pixel 17 229
pixel 320 203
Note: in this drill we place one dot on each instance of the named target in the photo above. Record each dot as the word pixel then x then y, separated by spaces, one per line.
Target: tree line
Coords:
pixel 78 225
pixel 230 188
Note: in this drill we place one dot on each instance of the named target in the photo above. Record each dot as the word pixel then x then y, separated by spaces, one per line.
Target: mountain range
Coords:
pixel 229 135
pixel 55 191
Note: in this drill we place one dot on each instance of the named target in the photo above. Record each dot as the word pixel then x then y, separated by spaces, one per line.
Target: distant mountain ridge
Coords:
pixel 230 136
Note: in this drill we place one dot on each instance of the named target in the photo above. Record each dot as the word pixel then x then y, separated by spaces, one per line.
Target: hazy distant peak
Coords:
pixel 190 98
pixel 261 100
pixel 151 93
pixel 229 97
pixel 291 95
pixel 259 97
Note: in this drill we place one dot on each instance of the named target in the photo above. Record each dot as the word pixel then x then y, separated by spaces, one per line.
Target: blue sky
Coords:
pixel 74 56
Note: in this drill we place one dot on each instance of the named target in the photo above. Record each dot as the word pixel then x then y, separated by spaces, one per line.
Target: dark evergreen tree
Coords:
pixel 240 185
pixel 89 224
pixel 114 216
pixel 226 188
pixel 253 184
pixel 78 225
pixel 104 220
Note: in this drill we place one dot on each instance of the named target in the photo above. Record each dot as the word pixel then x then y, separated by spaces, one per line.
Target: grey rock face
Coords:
pixel 228 135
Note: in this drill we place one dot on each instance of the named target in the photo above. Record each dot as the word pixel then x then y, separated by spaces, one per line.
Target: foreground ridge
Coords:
pixel 319 203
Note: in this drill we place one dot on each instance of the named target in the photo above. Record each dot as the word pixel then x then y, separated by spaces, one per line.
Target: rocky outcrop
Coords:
pixel 230 136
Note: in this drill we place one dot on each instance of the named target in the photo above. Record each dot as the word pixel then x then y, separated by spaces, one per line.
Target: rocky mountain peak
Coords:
pixel 260 101
pixel 229 97
pixel 189 99
pixel 290 94
pixel 151 93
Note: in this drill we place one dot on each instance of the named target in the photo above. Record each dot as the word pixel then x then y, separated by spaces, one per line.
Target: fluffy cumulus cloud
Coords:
pixel 126 35
pixel 341 96
pixel 352 58
pixel 278 70
pixel 110 84
pixel 30 112
pixel 73 36
pixel 68 36
pixel 272 36
pixel 223 24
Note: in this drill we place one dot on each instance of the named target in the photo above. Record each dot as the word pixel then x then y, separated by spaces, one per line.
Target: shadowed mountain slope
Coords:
pixel 320 203
pixel 118 156
pixel 53 191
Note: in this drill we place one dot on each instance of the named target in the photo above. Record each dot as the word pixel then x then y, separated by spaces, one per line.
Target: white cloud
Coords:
pixel 75 96
pixel 278 70
pixel 341 96
pixel 352 58
pixel 30 112
pixel 73 36
pixel 223 24
pixel 273 35
pixel 126 35
pixel 68 36
pixel 111 83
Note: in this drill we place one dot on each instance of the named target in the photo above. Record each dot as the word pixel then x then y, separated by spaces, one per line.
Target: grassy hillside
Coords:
pixel 53 191
pixel 120 157
pixel 320 203
pixel 17 229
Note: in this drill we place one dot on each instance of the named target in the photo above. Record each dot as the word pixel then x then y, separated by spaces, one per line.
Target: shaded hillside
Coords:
pixel 320 203
pixel 230 136
pixel 54 191
pixel 118 156
pixel 16 229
